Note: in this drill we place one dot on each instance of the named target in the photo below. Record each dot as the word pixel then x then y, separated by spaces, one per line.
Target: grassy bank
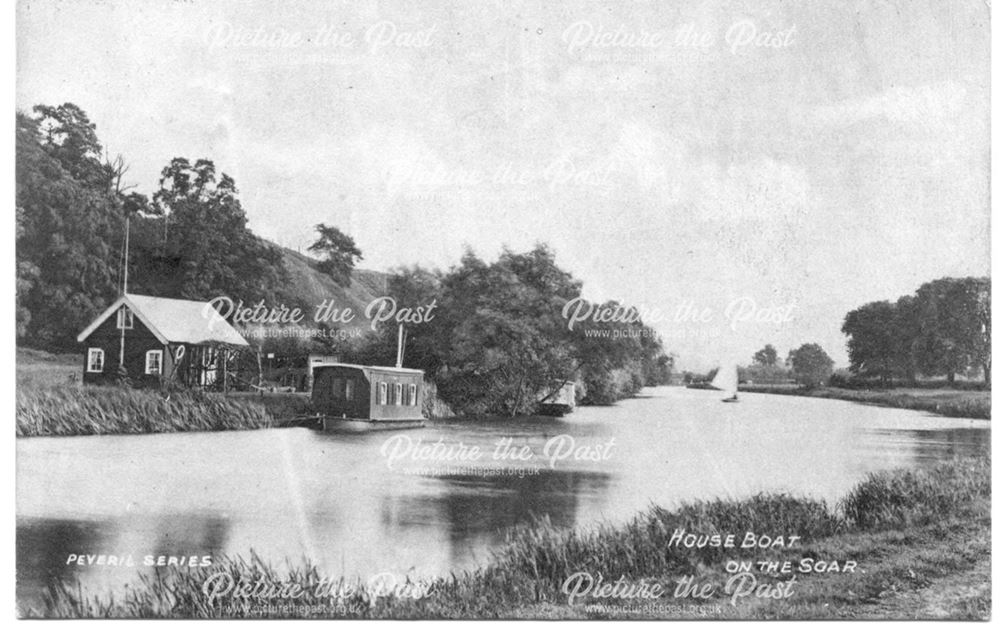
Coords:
pixel 920 538
pixel 92 410
pixel 37 369
pixel 957 403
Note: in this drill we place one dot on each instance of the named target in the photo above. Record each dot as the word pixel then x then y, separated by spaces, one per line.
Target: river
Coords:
pixel 360 505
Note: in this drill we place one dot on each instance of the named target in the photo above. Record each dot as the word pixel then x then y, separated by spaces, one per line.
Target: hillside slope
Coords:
pixel 310 287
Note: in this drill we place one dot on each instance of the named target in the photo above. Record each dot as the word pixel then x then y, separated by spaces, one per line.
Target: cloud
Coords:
pixel 758 188
pixel 928 105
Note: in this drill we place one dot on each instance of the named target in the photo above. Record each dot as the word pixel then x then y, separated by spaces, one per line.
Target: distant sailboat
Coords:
pixel 727 379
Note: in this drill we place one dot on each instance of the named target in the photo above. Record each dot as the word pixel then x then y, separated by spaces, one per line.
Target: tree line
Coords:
pixel 943 329
pixel 189 239
pixel 808 365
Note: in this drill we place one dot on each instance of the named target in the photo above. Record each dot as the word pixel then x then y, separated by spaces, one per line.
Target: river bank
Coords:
pixel 956 403
pixel 918 539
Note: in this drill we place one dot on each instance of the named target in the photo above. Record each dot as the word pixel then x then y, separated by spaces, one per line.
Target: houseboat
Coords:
pixel 360 398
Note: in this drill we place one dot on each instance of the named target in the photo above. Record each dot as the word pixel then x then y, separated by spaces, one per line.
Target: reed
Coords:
pixel 537 557
pixel 890 499
pixel 74 411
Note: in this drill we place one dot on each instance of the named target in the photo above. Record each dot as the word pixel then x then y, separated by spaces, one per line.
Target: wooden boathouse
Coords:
pixel 149 340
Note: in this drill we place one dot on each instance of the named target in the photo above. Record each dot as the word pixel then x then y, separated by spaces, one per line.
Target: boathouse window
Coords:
pixel 413 395
pixel 154 361
pixel 397 394
pixel 383 394
pixel 95 360
pixel 338 387
pixel 125 318
pixel 349 389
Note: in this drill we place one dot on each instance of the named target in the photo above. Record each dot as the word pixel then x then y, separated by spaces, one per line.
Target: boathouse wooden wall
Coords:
pixel 138 341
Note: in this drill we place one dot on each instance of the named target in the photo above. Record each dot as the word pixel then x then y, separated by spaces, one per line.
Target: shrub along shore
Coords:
pixel 954 403
pixel 921 539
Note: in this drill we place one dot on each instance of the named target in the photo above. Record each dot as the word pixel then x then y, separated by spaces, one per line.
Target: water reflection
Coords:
pixel 923 447
pixel 51 550
pixel 473 512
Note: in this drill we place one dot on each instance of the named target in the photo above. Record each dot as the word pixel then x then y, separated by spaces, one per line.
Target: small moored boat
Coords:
pixel 559 401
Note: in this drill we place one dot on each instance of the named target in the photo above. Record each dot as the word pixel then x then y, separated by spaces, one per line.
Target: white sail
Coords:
pixel 726 379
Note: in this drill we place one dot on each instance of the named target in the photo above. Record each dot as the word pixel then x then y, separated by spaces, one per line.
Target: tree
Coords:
pixel 198 245
pixel 767 357
pixel 68 227
pixel 504 337
pixel 872 343
pixel 981 339
pixel 954 332
pixel 69 137
pixel 338 251
pixel 811 365
pixel 906 332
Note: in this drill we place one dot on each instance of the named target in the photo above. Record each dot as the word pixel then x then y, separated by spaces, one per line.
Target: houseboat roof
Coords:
pixel 373 368
pixel 173 320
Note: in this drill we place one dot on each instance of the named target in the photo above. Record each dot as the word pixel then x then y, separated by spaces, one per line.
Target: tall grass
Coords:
pixel 888 499
pixel 537 557
pixel 68 411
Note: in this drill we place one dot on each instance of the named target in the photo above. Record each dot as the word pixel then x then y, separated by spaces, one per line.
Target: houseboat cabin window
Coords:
pixel 124 318
pixel 338 387
pixel 154 361
pixel 413 396
pixel 95 360
pixel 383 394
pixel 397 394
pixel 349 389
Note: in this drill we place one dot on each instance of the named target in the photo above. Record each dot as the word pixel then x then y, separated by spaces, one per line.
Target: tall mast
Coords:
pixel 399 346
pixel 121 343
pixel 125 277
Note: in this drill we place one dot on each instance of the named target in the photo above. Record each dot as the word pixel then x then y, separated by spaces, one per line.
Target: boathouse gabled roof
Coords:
pixel 173 320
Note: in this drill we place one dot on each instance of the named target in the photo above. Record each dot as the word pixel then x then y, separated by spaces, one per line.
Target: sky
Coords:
pixel 743 172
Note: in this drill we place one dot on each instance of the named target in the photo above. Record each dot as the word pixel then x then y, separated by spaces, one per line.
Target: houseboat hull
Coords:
pixel 331 424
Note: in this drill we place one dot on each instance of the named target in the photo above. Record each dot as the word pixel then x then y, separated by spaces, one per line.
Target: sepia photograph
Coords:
pixel 632 310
